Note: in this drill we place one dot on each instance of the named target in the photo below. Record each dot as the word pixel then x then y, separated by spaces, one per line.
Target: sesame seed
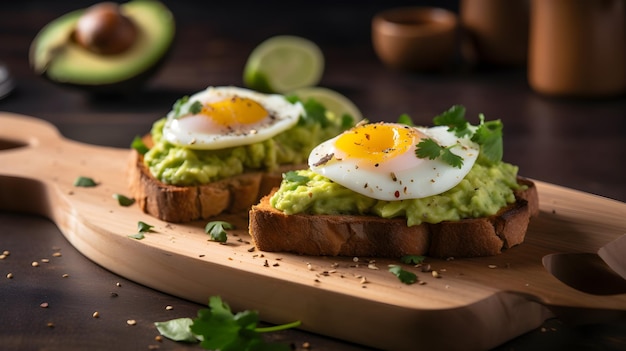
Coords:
pixel 6 253
pixel 169 307
pixel 3 256
pixel 45 260
pixel 96 314
pixel 131 322
pixel 35 264
pixel 57 254
pixel 43 305
pixel 65 275
pixel 50 325
pixel 492 266
pixel 10 275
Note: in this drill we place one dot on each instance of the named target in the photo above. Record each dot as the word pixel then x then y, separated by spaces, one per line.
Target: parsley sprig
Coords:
pixel 181 108
pixel 217 328
pixel 217 230
pixel 488 135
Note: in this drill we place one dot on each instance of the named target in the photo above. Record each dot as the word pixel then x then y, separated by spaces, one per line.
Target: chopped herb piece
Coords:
pixel 85 182
pixel 220 329
pixel 293 176
pixel 428 148
pixel 454 118
pixel 412 259
pixel 139 145
pixel 178 105
pixel 137 236
pixel 144 227
pixel 489 136
pixel 177 329
pixel 406 119
pixel 405 276
pixel 347 121
pixel 195 107
pixel 123 200
pixel 217 230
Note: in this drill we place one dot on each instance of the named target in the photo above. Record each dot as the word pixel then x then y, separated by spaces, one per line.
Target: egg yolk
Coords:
pixel 235 111
pixel 376 142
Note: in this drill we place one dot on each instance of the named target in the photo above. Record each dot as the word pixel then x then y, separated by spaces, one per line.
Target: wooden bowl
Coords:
pixel 415 38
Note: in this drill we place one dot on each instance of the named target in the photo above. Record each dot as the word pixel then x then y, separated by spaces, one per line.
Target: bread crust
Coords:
pixel 349 235
pixel 179 204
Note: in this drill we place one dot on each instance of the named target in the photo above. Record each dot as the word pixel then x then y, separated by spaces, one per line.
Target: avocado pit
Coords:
pixel 105 30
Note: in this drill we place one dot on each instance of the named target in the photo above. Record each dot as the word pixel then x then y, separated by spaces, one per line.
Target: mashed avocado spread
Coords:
pixel 177 165
pixel 484 190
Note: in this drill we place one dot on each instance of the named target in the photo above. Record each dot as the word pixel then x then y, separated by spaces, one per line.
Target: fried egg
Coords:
pixel 222 117
pixel 379 160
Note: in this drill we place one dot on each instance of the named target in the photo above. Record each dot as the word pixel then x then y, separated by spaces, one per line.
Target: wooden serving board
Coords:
pixel 474 303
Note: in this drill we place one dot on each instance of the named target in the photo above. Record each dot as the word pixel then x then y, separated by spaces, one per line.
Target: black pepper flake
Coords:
pixel 324 160
pixel 266 264
pixel 376 165
pixel 393 177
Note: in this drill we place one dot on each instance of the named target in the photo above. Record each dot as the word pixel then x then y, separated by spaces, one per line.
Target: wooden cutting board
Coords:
pixel 474 303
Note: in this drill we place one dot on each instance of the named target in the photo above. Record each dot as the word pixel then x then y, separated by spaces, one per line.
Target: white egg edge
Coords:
pixel 293 112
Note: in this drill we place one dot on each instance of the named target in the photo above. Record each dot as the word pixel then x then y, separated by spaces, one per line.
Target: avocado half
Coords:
pixel 55 54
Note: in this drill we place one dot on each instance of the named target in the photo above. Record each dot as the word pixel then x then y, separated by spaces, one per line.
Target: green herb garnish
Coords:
pixel 142 228
pixel 217 230
pixel 405 276
pixel 139 145
pixel 85 182
pixel 179 109
pixel 406 119
pixel 217 328
pixel 294 177
pixel 428 148
pixel 488 135
pixel 123 200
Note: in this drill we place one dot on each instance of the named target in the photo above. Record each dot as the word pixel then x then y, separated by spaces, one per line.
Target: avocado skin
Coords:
pixel 130 82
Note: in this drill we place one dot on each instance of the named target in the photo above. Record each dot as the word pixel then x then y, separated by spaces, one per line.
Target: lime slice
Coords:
pixel 334 102
pixel 283 63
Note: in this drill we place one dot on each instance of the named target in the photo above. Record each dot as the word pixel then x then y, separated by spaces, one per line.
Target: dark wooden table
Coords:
pixel 576 143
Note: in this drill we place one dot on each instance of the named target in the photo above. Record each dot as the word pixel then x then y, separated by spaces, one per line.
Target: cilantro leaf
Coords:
pixel 179 109
pixel 137 236
pixel 123 200
pixel 412 259
pixel 450 158
pixel 315 112
pixel 454 118
pixel 139 145
pixel 428 148
pixel 406 119
pixel 143 227
pixel 489 136
pixel 178 105
pixel 177 329
pixel 295 177
pixel 195 107
pixel 220 329
pixel 405 276
pixel 217 230
pixel 85 182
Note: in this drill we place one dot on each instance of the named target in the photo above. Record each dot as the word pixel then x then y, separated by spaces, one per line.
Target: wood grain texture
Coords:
pixel 501 297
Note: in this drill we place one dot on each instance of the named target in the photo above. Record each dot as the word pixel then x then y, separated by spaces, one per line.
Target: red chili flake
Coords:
pixel 397 193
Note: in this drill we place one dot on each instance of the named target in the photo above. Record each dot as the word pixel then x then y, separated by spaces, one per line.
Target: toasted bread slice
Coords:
pixel 178 204
pixel 371 236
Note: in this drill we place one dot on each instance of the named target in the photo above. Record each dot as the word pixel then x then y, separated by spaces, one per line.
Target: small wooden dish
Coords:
pixel 415 38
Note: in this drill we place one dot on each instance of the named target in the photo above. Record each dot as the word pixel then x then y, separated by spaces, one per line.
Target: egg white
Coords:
pixel 197 131
pixel 403 177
